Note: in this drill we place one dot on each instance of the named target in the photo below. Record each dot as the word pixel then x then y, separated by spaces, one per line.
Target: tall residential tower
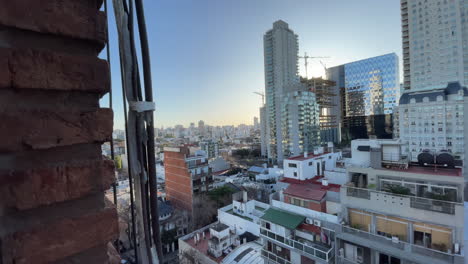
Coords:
pixel 434 33
pixel 281 69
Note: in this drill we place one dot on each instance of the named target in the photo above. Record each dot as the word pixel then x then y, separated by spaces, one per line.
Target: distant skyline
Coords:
pixel 207 55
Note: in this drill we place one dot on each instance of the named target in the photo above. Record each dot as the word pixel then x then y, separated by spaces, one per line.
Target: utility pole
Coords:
pixel 306 58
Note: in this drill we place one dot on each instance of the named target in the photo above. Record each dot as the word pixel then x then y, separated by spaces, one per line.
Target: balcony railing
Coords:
pixel 422 203
pixel 405 246
pixel 308 249
pixel 273 257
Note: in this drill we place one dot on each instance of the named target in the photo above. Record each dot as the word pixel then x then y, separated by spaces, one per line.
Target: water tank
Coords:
pixel 445 159
pixel 425 158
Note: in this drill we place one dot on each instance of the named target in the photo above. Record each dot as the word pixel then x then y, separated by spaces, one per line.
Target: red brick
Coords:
pixel 37 187
pixel 68 18
pixel 62 238
pixel 36 129
pixel 39 69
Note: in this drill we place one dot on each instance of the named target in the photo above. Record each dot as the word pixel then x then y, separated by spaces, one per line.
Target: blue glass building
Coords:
pixel 370 89
pixel 372 86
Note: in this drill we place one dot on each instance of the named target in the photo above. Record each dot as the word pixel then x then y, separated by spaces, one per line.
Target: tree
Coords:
pixel 189 256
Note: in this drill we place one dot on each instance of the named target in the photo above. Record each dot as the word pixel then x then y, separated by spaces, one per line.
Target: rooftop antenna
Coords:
pixel 306 57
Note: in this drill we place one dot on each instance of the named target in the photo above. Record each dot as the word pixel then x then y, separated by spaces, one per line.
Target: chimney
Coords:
pixel 325 182
pixel 305 154
pixel 244 196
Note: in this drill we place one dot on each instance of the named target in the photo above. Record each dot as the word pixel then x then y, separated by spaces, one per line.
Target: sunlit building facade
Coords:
pixel 371 91
pixel 281 69
pixel 301 124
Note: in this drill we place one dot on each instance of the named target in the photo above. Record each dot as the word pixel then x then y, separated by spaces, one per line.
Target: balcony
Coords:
pixel 274 258
pixel 300 245
pixel 402 248
pixel 421 203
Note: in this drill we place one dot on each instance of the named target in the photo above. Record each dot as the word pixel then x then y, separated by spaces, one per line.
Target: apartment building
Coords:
pixel 211 148
pixel 399 212
pixel 186 176
pixel 280 46
pixel 435 35
pixel 433 121
pixel 300 125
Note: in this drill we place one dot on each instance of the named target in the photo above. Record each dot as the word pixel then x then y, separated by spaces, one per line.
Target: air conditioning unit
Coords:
pixel 317 223
pixel 395 239
pixel 278 248
pixel 309 221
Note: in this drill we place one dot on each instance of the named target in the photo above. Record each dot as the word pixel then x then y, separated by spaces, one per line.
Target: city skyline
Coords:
pixel 224 87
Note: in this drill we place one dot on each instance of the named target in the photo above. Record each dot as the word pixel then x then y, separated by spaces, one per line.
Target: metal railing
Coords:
pixel 343 260
pixel 373 237
pixel 422 203
pixel 273 257
pixel 402 245
pixel 306 248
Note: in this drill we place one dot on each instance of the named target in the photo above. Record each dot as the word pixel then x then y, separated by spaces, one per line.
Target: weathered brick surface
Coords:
pixel 47 70
pixel 50 242
pixel 69 18
pixel 25 189
pixel 35 129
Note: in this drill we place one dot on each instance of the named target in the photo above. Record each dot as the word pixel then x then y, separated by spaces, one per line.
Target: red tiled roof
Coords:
pixel 331 186
pixel 309 156
pixel 306 191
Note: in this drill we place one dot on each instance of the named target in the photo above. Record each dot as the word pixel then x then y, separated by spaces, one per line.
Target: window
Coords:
pixel 267 226
pixel 295 174
pixel 310 163
pixel 292 165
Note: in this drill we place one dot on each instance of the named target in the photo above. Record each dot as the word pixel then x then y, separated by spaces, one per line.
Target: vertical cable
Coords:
pixel 114 186
pixel 149 127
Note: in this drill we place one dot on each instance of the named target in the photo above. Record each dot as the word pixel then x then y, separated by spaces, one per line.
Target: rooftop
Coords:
pixel 311 155
pixel 248 253
pixel 202 245
pixel 283 218
pixel 315 181
pixel 456 172
pixel 307 191
pixel 219 227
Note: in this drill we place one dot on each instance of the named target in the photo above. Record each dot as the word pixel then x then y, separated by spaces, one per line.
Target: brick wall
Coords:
pixel 178 180
pixel 52 173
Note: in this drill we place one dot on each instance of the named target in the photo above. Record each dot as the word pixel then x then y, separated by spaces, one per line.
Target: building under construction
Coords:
pixel 329 107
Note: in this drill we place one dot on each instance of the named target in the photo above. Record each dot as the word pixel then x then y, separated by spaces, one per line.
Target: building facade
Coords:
pixel 397 212
pixel 211 148
pixel 328 98
pixel 186 176
pixel 435 36
pixel 263 131
pixel 281 69
pixel 371 90
pixel 300 122
pixel 435 121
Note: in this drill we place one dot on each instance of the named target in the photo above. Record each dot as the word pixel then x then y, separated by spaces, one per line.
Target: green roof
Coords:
pixel 282 218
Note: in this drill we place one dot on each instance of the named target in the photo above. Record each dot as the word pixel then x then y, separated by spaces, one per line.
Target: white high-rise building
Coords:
pixel 435 40
pixel 435 122
pixel 263 129
pixel 281 69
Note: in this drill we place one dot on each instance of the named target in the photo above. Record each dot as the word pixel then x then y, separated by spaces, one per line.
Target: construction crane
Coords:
pixel 306 57
pixel 324 68
pixel 262 95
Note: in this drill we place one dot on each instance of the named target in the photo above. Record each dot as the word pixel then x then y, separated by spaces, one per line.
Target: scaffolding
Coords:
pixel 326 98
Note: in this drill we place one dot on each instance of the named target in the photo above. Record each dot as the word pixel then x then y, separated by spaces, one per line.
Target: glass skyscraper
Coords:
pixel 370 89
pixel 372 86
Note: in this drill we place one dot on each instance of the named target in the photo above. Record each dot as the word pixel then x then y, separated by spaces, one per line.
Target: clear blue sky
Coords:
pixel 207 55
